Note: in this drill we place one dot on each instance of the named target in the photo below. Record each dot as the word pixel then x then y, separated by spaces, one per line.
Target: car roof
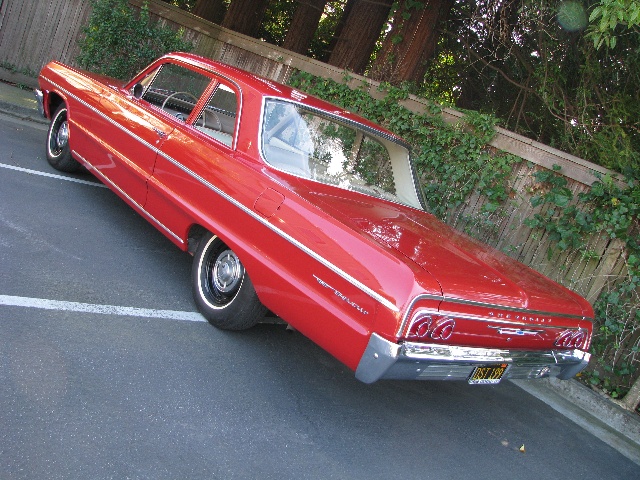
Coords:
pixel 269 88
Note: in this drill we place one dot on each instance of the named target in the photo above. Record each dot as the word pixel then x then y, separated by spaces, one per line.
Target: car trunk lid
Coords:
pixel 466 269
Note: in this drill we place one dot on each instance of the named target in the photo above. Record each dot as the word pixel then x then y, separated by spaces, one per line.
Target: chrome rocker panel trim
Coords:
pixel 383 359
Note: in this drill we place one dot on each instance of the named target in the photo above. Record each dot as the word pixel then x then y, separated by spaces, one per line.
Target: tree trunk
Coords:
pixel 245 16
pixel 411 42
pixel 358 32
pixel 212 10
pixel 338 31
pixel 304 25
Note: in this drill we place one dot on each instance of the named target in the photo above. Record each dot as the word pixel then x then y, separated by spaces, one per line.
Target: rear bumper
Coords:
pixel 415 361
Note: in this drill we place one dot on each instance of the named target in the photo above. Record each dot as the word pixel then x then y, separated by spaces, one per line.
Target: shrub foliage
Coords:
pixel 118 42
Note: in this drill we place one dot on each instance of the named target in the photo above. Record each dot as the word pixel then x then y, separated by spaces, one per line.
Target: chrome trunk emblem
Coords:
pixel 516 331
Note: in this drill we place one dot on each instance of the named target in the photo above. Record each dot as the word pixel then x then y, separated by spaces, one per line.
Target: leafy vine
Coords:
pixel 614 210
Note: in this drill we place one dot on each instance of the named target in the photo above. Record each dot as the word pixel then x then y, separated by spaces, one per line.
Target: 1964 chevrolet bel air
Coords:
pixel 292 205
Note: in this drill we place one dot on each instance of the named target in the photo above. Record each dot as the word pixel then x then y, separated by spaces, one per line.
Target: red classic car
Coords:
pixel 292 205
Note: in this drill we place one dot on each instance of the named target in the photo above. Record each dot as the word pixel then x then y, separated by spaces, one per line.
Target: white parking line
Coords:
pixel 52 175
pixel 45 304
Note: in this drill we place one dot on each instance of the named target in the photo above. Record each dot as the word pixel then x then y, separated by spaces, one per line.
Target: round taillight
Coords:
pixel 443 329
pixel 420 327
pixel 579 339
pixel 425 326
pixel 572 339
pixel 563 339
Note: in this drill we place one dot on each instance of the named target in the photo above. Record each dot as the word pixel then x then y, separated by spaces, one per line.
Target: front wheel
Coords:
pixel 222 289
pixel 58 151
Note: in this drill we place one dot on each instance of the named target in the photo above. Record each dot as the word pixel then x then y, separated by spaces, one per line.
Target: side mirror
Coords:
pixel 138 90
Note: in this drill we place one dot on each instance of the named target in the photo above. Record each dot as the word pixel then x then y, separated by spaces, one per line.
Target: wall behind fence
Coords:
pixel 34 32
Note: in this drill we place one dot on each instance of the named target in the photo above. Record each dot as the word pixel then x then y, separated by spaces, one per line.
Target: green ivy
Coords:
pixel 607 207
pixel 118 43
pixel 613 209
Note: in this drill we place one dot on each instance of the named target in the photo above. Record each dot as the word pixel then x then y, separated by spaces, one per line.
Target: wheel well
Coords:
pixel 196 232
pixel 55 101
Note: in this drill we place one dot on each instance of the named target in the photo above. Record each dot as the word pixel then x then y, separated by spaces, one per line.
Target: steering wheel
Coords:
pixel 179 115
pixel 218 123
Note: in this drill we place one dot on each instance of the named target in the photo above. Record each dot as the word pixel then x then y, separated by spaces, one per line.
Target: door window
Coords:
pixel 175 89
pixel 218 118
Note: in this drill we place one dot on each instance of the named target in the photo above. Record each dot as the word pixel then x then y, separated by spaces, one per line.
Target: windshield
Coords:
pixel 300 141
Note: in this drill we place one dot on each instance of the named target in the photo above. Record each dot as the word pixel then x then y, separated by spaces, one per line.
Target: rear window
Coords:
pixel 309 144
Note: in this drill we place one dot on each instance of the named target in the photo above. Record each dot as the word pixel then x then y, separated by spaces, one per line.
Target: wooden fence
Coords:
pixel 33 32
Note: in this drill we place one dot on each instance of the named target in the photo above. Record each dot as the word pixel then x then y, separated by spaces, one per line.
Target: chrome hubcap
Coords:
pixel 63 135
pixel 227 272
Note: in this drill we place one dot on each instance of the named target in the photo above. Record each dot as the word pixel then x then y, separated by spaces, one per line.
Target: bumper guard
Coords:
pixel 40 99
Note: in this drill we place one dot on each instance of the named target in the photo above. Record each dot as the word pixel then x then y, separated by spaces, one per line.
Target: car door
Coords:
pixel 132 130
pixel 196 162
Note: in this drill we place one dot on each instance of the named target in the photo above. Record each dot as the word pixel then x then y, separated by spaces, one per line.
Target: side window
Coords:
pixel 218 119
pixel 174 89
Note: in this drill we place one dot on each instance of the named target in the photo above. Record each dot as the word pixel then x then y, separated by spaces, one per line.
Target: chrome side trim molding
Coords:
pixel 383 359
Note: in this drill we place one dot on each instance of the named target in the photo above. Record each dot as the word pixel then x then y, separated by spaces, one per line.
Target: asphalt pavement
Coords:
pixel 593 411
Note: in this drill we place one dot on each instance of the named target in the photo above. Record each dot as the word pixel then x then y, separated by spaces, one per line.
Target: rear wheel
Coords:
pixel 222 289
pixel 58 151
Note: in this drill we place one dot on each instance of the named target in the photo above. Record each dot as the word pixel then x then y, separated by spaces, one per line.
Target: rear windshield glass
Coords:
pixel 311 145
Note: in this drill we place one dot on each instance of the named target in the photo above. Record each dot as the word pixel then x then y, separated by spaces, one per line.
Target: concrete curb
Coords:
pixel 593 411
pixel 22 113
pixel 19 102
pixel 601 406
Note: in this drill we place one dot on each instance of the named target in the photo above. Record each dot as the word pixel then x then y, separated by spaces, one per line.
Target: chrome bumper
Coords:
pixel 40 99
pixel 416 361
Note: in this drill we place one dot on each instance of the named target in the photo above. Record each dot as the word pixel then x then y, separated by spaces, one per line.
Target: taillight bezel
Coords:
pixel 429 326
pixel 574 339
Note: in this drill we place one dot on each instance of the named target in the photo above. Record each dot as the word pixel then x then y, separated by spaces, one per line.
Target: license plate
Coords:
pixel 487 374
